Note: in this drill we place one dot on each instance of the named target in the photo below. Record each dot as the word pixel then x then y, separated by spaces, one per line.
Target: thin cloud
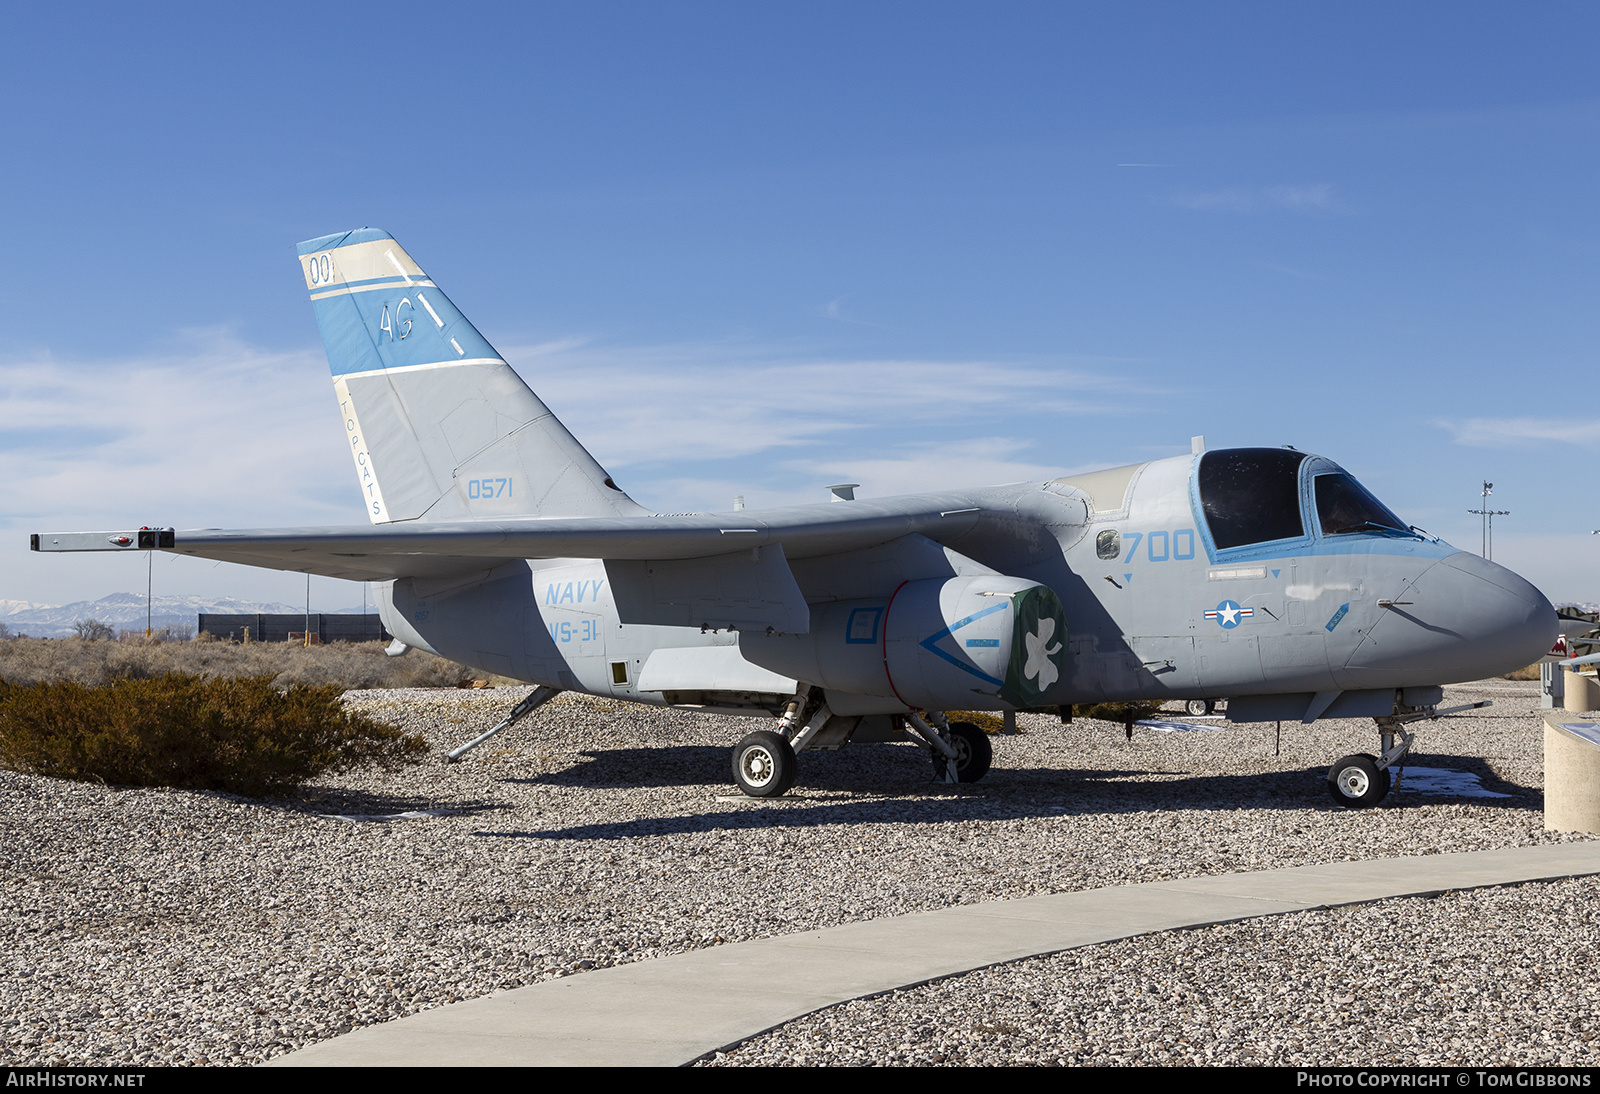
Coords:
pixel 219 433
pixel 670 404
pixel 923 466
pixel 834 310
pixel 1289 271
pixel 1522 432
pixel 1313 198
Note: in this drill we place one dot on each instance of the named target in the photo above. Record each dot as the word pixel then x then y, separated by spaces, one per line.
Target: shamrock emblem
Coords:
pixel 1039 653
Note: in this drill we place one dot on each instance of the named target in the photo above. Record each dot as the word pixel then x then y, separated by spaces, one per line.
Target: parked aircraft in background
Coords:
pixel 1268 576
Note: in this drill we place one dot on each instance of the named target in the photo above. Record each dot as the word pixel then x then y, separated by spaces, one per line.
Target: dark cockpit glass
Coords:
pixel 1251 495
pixel 1345 507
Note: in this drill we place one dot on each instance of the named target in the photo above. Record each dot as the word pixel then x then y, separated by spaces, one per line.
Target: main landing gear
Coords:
pixel 961 751
pixel 974 753
pixel 764 764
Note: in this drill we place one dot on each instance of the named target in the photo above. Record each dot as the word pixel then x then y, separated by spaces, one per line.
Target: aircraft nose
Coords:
pixel 1462 619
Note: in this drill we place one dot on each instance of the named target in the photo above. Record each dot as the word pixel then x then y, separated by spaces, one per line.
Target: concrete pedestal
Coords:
pixel 1571 775
pixel 1582 692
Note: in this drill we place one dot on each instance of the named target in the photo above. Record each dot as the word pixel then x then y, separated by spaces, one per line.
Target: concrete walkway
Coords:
pixel 676 1009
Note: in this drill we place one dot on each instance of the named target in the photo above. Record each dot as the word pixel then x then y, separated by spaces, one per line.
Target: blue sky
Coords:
pixel 757 248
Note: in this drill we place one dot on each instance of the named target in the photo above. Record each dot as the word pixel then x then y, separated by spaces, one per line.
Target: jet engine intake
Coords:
pixel 986 641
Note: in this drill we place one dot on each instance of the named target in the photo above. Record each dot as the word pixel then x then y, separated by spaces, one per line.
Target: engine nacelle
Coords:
pixel 984 641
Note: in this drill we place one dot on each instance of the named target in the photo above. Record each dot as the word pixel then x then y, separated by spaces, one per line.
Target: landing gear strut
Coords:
pixel 961 751
pixel 1362 781
pixel 974 753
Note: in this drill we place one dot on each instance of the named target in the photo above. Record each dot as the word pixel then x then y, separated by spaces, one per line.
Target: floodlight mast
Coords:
pixel 1487 543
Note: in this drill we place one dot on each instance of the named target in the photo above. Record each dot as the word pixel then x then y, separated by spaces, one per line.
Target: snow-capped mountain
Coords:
pixel 125 612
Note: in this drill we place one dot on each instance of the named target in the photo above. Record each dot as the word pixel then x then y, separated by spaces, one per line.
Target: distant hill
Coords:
pixel 125 612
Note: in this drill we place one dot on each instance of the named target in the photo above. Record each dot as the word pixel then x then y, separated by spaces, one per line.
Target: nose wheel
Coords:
pixel 1357 782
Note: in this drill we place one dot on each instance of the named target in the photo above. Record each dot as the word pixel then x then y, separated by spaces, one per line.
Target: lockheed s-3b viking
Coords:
pixel 1267 576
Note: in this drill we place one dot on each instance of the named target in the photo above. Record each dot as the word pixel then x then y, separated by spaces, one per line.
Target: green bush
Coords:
pixel 241 735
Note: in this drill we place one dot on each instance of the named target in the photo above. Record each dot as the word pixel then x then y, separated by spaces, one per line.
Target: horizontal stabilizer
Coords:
pixel 133 539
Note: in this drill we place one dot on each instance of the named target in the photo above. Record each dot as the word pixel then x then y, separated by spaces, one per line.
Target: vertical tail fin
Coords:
pixel 439 426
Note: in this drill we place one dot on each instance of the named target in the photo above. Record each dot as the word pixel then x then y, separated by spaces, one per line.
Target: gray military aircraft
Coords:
pixel 1267 576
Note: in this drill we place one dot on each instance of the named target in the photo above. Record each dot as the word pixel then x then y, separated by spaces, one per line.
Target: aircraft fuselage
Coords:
pixel 1157 603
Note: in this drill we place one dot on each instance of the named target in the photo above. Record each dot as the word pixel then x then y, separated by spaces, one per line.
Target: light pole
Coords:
pixel 1488 516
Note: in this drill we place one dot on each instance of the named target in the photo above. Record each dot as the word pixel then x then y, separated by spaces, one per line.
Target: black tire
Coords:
pixel 974 752
pixel 764 765
pixel 1356 783
pixel 1196 707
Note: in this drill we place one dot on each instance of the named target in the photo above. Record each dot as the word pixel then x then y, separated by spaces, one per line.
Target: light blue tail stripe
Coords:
pixel 391 326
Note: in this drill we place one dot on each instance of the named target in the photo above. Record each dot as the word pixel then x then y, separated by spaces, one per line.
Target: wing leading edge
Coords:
pixel 442 549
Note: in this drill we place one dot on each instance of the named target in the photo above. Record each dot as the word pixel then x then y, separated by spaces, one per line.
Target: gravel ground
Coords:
pixel 163 926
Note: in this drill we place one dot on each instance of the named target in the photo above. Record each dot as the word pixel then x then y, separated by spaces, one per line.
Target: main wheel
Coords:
pixel 974 753
pixel 1197 707
pixel 764 765
pixel 1357 783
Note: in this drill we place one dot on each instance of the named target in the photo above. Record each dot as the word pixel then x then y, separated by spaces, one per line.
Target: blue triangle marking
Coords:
pixel 930 643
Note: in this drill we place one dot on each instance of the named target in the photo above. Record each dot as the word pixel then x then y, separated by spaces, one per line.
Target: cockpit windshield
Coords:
pixel 1345 507
pixel 1251 495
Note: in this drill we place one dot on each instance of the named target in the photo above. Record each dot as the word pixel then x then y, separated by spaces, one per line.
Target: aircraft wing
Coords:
pixel 385 552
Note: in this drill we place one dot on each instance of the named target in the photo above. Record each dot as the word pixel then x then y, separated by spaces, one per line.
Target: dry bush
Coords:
pixel 986 720
pixel 339 664
pixel 246 736
pixel 1120 713
pixel 1529 673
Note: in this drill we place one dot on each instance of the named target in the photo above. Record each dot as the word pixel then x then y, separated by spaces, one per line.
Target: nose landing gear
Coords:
pixel 1358 782
pixel 1362 781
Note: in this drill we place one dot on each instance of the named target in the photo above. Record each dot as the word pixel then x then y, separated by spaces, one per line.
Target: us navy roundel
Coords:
pixel 1228 613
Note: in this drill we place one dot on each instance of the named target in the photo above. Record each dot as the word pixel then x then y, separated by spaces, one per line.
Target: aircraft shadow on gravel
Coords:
pixel 1009 793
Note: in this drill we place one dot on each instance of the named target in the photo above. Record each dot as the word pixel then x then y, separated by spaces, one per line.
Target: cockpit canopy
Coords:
pixel 1255 495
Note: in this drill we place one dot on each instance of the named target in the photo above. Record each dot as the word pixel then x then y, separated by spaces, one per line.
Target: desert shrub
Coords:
pixel 986 720
pixel 1529 673
pixel 1111 712
pixel 161 634
pixel 341 664
pixel 1120 712
pixel 242 735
